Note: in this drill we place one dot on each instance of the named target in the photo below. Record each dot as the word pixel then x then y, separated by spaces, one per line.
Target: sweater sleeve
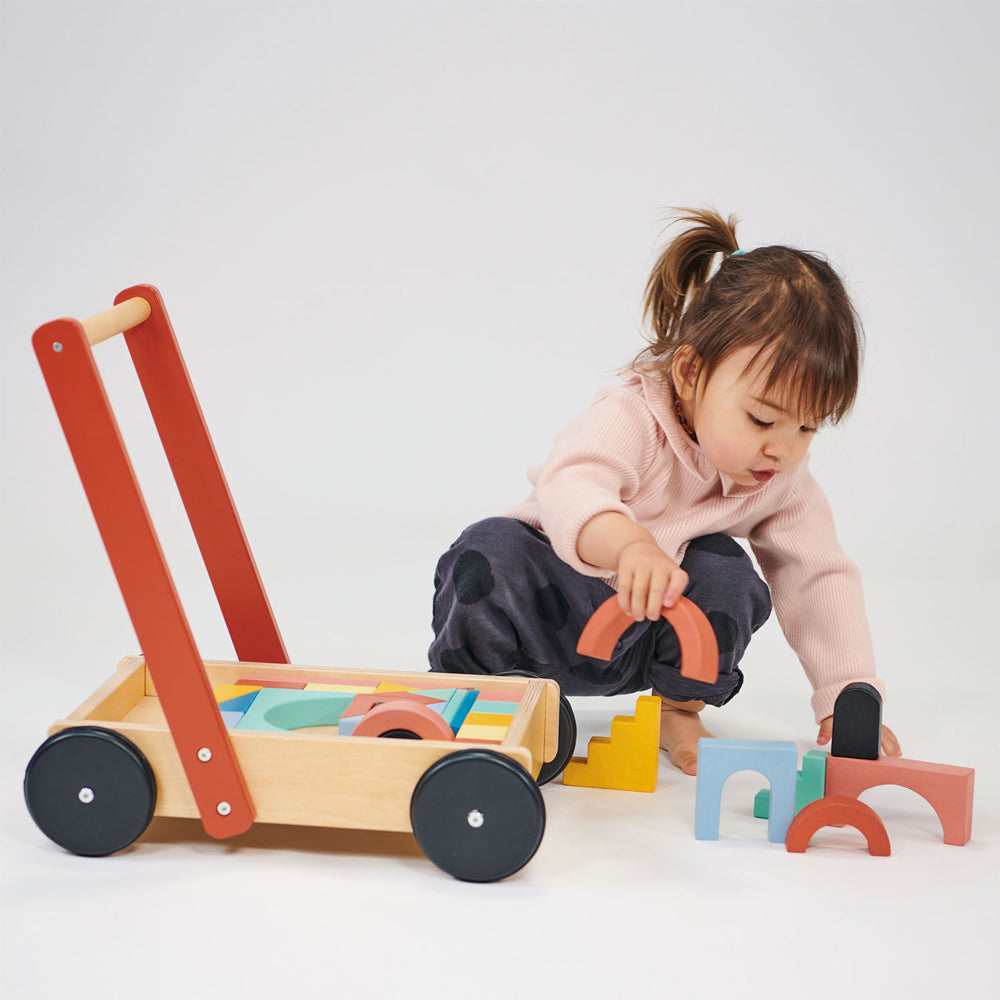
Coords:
pixel 596 465
pixel 817 594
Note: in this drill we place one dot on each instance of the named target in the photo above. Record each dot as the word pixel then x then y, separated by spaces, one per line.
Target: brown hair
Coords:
pixel 788 303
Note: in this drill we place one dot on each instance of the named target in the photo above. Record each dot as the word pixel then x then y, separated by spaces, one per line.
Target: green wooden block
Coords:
pixel 279 710
pixel 810 784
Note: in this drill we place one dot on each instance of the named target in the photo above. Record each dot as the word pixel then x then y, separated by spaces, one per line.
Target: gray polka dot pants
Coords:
pixel 503 600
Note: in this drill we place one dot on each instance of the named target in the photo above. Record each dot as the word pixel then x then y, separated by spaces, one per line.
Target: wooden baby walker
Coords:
pixel 259 740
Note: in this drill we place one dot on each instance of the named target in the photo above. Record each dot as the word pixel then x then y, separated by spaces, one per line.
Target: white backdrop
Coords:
pixel 402 244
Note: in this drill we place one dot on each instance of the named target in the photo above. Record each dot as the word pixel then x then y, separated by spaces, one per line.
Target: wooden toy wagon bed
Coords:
pixel 259 740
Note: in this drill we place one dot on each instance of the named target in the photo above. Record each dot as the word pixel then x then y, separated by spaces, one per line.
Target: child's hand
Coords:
pixel 890 745
pixel 648 580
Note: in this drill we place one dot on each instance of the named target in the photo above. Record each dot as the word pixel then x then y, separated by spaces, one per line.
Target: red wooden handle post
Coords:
pixel 95 441
pixel 699 647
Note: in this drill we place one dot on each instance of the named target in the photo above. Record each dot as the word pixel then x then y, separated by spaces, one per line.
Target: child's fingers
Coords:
pixel 890 744
pixel 657 592
pixel 825 731
pixel 639 596
pixel 675 588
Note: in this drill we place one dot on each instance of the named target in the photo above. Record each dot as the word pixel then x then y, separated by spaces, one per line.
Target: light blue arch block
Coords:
pixel 777 760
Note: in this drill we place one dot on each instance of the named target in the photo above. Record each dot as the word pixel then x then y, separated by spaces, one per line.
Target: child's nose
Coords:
pixel 776 448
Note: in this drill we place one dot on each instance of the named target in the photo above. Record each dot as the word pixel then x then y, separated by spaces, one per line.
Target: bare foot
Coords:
pixel 680 730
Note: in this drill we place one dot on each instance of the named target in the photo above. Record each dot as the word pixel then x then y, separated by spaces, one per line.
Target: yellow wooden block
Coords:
pixel 350 688
pixel 384 686
pixel 488 719
pixel 481 732
pixel 226 692
pixel 628 759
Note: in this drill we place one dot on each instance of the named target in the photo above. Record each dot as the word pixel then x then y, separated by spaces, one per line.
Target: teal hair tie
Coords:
pixel 736 253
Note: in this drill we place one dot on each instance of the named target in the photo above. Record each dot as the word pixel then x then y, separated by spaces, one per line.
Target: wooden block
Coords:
pixel 231 719
pixel 283 709
pixel 500 694
pixel 857 722
pixel 267 680
pixel 355 688
pixel 407 714
pixel 347 723
pixel 777 760
pixel 456 711
pixel 494 707
pixel 948 789
pixel 489 719
pixel 384 686
pixel 475 733
pixel 362 704
pixel 699 646
pixel 227 692
pixel 834 810
pixel 810 784
pixel 628 759
pixel 240 704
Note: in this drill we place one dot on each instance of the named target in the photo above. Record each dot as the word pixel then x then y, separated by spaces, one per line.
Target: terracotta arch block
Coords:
pixel 948 789
pixel 410 715
pixel 699 648
pixel 833 810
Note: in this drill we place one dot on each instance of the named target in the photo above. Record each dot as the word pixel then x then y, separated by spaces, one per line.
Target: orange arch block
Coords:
pixel 413 716
pixel 699 648
pixel 837 810
pixel 948 789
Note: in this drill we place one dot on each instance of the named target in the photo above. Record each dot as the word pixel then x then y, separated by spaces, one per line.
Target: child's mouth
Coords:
pixel 761 477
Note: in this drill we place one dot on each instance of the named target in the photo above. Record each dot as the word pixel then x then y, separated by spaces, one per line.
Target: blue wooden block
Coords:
pixel 777 760
pixel 347 723
pixel 458 707
pixel 240 704
pixel 231 719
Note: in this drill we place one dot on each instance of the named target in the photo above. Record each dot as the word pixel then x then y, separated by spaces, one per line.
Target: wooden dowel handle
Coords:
pixel 117 319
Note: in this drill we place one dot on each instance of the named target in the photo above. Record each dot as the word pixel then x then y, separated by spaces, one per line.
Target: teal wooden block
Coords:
pixel 279 710
pixel 810 784
pixel 457 708
pixel 495 707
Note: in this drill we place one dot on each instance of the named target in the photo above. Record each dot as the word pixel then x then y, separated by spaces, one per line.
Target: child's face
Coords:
pixel 743 432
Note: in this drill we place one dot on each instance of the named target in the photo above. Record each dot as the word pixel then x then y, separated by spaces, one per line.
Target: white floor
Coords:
pixel 620 896
pixel 402 245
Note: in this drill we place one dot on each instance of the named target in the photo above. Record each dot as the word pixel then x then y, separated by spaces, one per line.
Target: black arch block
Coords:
pixel 857 722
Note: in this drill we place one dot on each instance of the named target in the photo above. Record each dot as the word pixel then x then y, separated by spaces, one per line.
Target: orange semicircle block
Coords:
pixel 837 810
pixel 699 647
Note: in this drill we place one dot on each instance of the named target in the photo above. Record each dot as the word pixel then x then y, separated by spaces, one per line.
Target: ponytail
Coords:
pixel 682 269
pixel 787 303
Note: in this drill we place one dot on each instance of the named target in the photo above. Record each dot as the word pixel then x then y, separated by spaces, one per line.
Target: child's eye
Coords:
pixel 807 430
pixel 759 423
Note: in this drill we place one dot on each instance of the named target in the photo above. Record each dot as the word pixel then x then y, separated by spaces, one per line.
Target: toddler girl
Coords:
pixel 705 440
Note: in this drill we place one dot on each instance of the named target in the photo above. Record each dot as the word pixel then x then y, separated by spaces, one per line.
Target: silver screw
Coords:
pixel 475 819
pixel 57 347
pixel 86 795
pixel 204 755
pixel 223 808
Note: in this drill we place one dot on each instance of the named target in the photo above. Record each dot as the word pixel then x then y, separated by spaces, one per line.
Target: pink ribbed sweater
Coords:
pixel 628 453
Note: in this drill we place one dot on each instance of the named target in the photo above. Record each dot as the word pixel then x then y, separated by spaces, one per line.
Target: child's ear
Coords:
pixel 684 369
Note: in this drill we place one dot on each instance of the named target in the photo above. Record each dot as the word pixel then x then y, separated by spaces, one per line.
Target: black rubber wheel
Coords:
pixel 477 815
pixel 90 790
pixel 567 733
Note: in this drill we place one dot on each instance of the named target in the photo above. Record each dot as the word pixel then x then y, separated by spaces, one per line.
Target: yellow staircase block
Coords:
pixel 628 759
